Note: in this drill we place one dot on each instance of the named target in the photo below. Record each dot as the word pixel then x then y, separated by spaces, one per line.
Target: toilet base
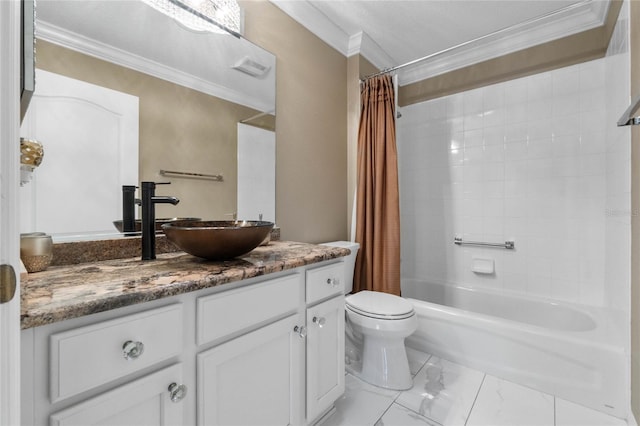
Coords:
pixel 385 363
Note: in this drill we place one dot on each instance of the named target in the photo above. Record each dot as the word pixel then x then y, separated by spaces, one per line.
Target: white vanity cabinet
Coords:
pixel 146 401
pixel 85 357
pixel 253 379
pixel 266 350
pixel 117 371
pixel 325 356
pixel 325 338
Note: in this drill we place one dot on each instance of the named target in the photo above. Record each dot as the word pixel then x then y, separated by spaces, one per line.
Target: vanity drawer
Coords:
pixel 89 356
pixel 325 281
pixel 232 311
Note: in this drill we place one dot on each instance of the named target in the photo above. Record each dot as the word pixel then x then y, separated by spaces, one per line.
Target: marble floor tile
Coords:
pixel 571 414
pixel 502 403
pixel 416 360
pixel 397 415
pixel 361 404
pixel 443 392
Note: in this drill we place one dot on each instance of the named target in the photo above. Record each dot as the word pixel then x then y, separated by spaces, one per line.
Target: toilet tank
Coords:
pixel 349 261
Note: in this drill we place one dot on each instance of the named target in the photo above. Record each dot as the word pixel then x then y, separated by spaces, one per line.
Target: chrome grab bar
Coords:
pixel 509 245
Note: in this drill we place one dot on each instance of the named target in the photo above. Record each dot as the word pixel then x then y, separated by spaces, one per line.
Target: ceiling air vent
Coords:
pixel 251 67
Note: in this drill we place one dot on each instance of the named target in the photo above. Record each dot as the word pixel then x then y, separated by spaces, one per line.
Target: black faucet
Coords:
pixel 129 202
pixel 149 201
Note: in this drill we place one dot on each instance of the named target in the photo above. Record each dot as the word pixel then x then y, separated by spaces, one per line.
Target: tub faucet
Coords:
pixel 149 201
pixel 129 202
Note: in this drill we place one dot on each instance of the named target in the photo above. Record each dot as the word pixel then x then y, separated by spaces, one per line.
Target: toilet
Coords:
pixel 376 325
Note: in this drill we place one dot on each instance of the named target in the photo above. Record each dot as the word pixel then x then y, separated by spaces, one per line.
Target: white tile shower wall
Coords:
pixel 525 160
pixel 618 159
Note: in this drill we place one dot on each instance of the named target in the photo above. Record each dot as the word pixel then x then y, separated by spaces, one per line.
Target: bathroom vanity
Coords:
pixel 179 340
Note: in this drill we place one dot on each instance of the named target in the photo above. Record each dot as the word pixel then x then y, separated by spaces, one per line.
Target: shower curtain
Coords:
pixel 377 203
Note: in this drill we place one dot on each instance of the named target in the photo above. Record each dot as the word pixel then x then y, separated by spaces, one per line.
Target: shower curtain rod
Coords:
pixel 449 49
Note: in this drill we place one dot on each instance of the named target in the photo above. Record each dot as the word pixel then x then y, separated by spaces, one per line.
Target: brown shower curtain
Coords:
pixel 377 203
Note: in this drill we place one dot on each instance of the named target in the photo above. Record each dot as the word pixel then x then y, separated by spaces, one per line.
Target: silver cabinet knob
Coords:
pixel 177 392
pixel 301 330
pixel 319 321
pixel 132 350
pixel 333 282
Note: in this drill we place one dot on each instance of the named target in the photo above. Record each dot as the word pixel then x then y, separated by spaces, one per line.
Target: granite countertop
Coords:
pixel 71 291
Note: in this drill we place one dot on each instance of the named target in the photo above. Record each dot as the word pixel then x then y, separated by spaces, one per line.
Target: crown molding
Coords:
pixel 317 22
pixel 582 17
pixel 565 23
pixel 355 44
pixel 96 49
pixel 376 55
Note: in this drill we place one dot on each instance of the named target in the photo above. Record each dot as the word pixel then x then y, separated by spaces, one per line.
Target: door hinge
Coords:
pixel 7 283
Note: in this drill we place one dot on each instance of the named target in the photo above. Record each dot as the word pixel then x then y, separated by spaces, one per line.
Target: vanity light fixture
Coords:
pixel 219 16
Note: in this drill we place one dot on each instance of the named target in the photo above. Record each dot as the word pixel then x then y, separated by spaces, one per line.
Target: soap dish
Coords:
pixel 482 265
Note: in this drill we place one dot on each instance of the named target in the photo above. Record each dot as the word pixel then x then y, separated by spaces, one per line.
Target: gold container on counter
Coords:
pixel 36 251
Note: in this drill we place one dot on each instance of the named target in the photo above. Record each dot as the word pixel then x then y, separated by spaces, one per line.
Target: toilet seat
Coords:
pixel 374 304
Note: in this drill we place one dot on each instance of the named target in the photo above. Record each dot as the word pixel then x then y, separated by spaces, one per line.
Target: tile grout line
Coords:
pixel 413 377
pixel 400 393
pixel 409 408
pixel 382 415
pixel 484 376
pixel 429 419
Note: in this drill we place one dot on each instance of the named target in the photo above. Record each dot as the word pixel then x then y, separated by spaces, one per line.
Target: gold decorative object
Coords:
pixel 31 152
pixel 36 251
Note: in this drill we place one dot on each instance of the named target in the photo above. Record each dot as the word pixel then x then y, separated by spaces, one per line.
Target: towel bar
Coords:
pixel 217 178
pixel 509 245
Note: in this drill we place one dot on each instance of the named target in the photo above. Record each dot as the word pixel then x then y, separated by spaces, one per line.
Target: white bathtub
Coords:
pixel 573 352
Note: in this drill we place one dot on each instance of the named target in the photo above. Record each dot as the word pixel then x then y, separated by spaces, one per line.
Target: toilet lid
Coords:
pixel 379 305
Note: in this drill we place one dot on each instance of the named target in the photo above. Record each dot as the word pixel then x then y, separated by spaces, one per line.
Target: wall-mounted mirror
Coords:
pixel 194 90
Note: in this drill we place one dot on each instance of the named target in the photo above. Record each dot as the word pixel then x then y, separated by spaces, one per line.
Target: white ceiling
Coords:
pixel 393 32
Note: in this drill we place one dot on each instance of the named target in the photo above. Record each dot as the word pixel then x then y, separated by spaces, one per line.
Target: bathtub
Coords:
pixel 570 351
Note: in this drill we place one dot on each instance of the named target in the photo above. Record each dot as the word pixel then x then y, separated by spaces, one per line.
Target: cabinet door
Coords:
pixel 255 379
pixel 146 401
pixel 325 356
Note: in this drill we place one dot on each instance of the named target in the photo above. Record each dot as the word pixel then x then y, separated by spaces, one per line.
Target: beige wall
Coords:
pixel 635 217
pixel 357 67
pixel 311 129
pixel 180 129
pixel 353 119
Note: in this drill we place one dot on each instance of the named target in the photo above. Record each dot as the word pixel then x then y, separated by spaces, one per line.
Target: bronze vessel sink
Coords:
pixel 217 240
